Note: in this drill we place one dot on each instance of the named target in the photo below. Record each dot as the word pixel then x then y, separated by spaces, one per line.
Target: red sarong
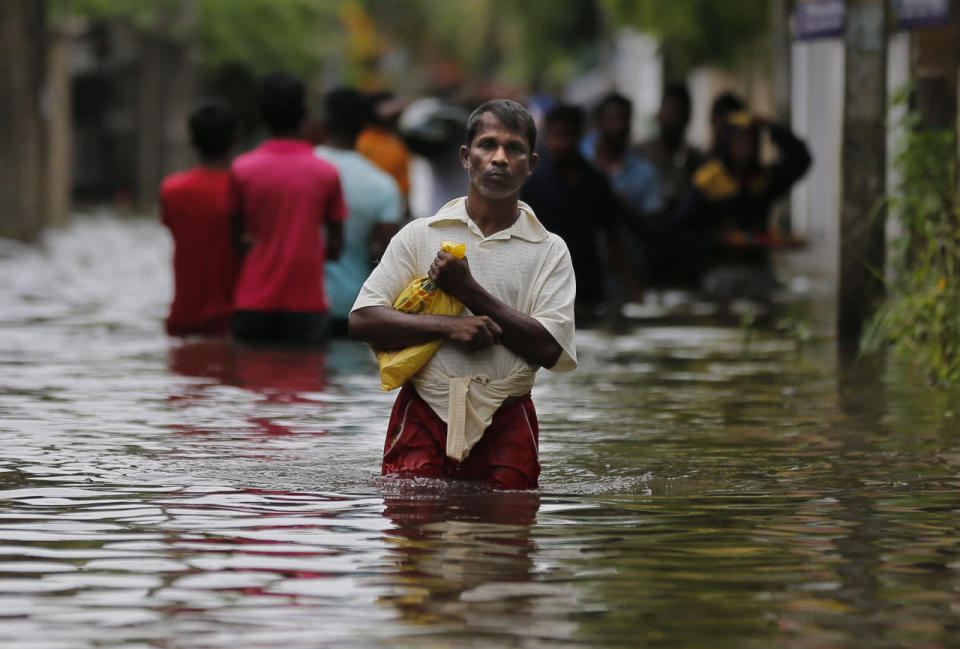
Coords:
pixel 505 457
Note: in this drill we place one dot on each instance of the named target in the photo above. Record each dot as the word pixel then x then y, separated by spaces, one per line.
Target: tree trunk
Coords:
pixel 22 129
pixel 862 218
pixel 59 103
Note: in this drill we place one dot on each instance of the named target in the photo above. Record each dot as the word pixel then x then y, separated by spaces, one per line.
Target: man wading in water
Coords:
pixel 467 413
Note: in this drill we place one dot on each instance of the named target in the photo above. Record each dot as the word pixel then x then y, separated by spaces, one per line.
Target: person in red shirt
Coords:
pixel 288 211
pixel 193 205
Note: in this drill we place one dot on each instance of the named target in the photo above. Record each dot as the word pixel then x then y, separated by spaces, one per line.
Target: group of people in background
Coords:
pixel 274 245
pixel 670 214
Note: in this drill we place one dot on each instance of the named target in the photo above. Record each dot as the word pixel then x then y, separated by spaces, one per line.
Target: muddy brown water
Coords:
pixel 164 494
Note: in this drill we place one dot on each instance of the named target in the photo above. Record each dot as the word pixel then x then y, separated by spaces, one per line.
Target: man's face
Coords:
pixel 743 147
pixel 498 159
pixel 613 123
pixel 673 117
pixel 560 140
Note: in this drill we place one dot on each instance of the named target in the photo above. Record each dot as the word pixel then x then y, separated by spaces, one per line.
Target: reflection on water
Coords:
pixel 695 493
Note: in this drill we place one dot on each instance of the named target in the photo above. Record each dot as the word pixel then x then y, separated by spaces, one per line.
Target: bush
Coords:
pixel 920 319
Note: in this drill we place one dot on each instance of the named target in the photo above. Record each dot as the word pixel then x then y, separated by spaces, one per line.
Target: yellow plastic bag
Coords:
pixel 420 296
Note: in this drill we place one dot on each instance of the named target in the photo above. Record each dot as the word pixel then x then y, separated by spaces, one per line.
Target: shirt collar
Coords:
pixel 526 227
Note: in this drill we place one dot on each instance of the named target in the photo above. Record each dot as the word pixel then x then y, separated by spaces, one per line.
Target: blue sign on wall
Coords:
pixel 818 19
pixel 825 18
pixel 921 13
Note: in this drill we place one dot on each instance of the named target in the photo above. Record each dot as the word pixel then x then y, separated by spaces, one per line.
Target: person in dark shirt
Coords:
pixel 575 200
pixel 193 205
pixel 669 152
pixel 675 161
pixel 728 207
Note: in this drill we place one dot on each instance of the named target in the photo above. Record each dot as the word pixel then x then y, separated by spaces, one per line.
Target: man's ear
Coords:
pixel 465 156
pixel 534 161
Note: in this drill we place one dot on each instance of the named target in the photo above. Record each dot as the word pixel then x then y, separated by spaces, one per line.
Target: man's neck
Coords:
pixel 671 145
pixel 612 150
pixel 341 142
pixel 215 164
pixel 492 214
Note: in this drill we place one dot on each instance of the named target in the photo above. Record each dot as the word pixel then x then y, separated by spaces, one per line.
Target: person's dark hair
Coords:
pixel 612 99
pixel 510 113
pixel 282 103
pixel 348 112
pixel 565 114
pixel 678 92
pixel 212 126
pixel 726 102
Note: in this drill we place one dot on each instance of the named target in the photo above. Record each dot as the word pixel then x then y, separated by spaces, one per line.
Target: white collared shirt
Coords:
pixel 524 266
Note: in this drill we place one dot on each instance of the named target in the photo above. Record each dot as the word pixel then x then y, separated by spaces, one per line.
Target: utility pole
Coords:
pixel 862 219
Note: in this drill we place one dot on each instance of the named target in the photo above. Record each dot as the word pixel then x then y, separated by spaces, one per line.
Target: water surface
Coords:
pixel 696 492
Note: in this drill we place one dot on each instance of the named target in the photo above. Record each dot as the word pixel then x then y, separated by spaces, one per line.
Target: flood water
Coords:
pixel 696 491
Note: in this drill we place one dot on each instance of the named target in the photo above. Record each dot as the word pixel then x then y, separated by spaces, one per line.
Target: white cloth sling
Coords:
pixel 469 402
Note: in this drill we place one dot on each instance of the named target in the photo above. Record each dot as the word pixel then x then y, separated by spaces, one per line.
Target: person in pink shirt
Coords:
pixel 288 212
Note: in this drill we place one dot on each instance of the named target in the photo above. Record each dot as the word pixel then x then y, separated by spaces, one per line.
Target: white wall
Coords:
pixel 817 115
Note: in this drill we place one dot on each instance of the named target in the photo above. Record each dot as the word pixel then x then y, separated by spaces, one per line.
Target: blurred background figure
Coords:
pixel 434 129
pixel 723 104
pixel 633 179
pixel 608 149
pixel 374 203
pixel 283 200
pixel 673 158
pixel 381 144
pixel 575 201
pixel 193 206
pixel 675 161
pixel 728 207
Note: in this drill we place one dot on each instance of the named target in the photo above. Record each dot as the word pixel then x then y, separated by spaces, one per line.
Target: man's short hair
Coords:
pixel 348 112
pixel 510 113
pixel 678 92
pixel 726 102
pixel 282 103
pixel 612 99
pixel 565 114
pixel 212 126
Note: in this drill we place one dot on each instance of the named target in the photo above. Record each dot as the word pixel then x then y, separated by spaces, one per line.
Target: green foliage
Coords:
pixel 268 35
pixel 511 40
pixel 921 317
pixel 265 35
pixel 697 32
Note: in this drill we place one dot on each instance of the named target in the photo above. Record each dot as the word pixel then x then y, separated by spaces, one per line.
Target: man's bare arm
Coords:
pixel 334 231
pixel 385 328
pixel 523 335
pixel 241 244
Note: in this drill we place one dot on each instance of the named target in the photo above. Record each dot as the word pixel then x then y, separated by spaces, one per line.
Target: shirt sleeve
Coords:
pixel 391 207
pixel 553 305
pixel 397 268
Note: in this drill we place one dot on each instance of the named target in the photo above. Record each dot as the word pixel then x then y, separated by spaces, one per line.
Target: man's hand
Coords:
pixel 452 275
pixel 473 333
